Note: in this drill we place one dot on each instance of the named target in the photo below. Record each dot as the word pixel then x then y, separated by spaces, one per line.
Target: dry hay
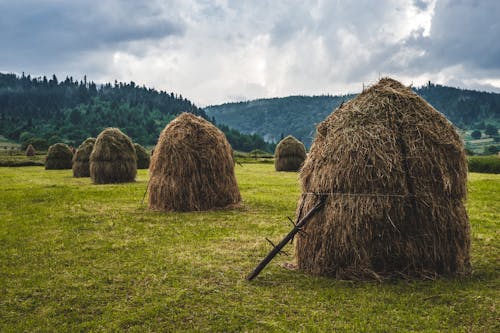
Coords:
pixel 394 170
pixel 30 151
pixel 192 168
pixel 81 159
pixel 143 157
pixel 289 155
pixel 113 158
pixel 59 157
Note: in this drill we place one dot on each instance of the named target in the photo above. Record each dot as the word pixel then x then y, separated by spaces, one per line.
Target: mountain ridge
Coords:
pixel 273 118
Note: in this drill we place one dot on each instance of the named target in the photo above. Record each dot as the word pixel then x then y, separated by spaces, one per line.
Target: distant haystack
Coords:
pixel 81 159
pixel 30 151
pixel 113 158
pixel 143 157
pixel 59 157
pixel 192 168
pixel 394 173
pixel 289 155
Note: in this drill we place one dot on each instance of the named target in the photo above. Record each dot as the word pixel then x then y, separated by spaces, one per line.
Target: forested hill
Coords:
pixel 298 115
pixel 46 111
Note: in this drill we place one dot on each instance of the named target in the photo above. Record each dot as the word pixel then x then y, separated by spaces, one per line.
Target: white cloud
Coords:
pixel 218 51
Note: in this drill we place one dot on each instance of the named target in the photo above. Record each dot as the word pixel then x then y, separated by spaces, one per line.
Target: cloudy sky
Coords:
pixel 228 50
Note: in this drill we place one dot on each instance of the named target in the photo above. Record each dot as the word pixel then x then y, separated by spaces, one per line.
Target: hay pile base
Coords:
pixel 113 158
pixel 289 155
pixel 143 158
pixel 192 168
pixel 81 159
pixel 395 173
pixel 59 157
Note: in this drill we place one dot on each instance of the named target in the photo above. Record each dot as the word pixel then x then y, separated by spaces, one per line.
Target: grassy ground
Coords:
pixel 82 257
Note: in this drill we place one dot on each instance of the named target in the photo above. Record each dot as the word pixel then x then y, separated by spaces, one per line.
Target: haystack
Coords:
pixel 81 159
pixel 113 158
pixel 59 157
pixel 192 168
pixel 30 150
pixel 143 157
pixel 289 155
pixel 394 173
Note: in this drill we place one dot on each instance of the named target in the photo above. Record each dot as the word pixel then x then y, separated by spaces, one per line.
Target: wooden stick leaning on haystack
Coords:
pixel 297 228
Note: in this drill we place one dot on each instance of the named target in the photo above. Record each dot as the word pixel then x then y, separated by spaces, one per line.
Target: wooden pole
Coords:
pixel 302 222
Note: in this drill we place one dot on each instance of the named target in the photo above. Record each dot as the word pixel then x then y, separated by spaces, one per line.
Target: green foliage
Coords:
pixel 469 152
pixel 491 150
pixel 476 134
pixel 276 118
pixel 38 143
pixel 490 130
pixel 70 111
pixel 484 164
pixel 79 257
pixel 297 115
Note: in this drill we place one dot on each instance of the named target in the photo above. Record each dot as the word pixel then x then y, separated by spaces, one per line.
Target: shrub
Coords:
pixel 484 164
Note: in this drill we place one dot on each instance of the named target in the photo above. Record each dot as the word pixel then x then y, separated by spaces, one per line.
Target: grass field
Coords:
pixel 82 257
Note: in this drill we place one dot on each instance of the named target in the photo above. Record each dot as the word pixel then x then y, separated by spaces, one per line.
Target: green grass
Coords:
pixel 82 257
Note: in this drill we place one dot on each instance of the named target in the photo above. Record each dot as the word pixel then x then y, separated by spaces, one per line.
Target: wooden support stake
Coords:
pixel 277 249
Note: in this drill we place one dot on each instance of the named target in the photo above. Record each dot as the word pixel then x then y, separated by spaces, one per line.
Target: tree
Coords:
pixel 491 150
pixel 54 139
pixel 37 143
pixel 476 134
pixel 491 130
pixel 75 117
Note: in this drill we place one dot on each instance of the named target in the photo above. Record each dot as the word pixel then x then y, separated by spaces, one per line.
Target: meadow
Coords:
pixel 81 257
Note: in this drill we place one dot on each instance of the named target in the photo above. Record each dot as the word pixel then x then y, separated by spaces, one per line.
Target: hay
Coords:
pixel 395 171
pixel 143 157
pixel 192 168
pixel 59 157
pixel 81 159
pixel 289 155
pixel 30 151
pixel 113 158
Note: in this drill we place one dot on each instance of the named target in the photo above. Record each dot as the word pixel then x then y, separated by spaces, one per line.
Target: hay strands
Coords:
pixel 278 248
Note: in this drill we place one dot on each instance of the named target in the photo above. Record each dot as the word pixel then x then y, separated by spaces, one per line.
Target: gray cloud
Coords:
pixel 221 50
pixel 52 31
pixel 463 32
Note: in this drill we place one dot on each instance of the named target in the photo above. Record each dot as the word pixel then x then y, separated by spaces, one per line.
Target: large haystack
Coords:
pixel 59 157
pixel 192 168
pixel 30 151
pixel 394 172
pixel 143 157
pixel 113 158
pixel 81 159
pixel 289 155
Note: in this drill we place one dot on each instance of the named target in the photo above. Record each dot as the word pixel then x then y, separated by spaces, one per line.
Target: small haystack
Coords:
pixel 30 151
pixel 81 159
pixel 394 172
pixel 143 157
pixel 113 158
pixel 59 157
pixel 289 155
pixel 192 168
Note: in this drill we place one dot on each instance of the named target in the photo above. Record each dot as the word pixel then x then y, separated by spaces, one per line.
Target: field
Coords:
pixel 82 257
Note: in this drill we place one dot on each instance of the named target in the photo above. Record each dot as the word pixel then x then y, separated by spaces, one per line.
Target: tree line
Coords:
pixel 43 111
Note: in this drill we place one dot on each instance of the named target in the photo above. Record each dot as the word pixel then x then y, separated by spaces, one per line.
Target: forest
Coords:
pixel 43 111
pixel 272 118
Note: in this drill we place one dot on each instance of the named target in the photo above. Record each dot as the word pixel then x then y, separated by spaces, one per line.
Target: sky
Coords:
pixel 221 51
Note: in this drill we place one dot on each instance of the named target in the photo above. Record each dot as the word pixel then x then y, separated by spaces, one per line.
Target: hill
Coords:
pixel 297 115
pixel 45 111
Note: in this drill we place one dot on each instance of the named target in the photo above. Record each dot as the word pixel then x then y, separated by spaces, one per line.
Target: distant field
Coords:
pixel 6 144
pixel 81 257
